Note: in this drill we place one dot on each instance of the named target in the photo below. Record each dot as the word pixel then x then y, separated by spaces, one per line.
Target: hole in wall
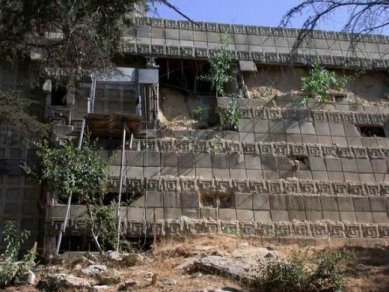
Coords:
pixel 217 200
pixel 58 95
pixel 372 131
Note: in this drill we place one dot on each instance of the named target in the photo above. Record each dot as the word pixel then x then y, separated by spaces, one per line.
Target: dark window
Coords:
pixel 58 95
pixel 214 200
pixel 372 131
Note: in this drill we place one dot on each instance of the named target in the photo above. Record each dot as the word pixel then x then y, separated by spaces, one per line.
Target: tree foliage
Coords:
pixel 364 16
pixel 72 35
pixel 14 115
pixel 68 170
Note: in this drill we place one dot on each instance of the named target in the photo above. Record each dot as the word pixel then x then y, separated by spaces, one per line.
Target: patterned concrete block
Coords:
pixel 361 204
pixel 313 215
pixel 172 213
pixel 227 214
pixel 269 162
pixel 345 204
pixel 154 200
pixel 337 130
pixel 364 165
pixel 245 215
pixel 297 215
pixel 261 202
pixel 204 172
pixel 316 163
pixel 312 203
pixel 238 173
pixel 378 204
pixel 262 216
pixel 295 203
pixel 236 161
pixel 333 164
pixel 208 213
pixel 307 128
pixel 367 178
pixel 278 202
pixel 276 127
pixel 219 161
pixel 331 215
pixel 190 199
pixel 191 213
pixel 279 215
pixel 380 217
pixel 364 217
pixel 261 126
pixel 243 201
pixel 320 175
pixel 335 176
pixel 151 159
pixel 168 159
pixel 348 216
pixel 379 166
pixel 329 203
pixel 322 129
pixel 169 171
pixel 221 173
pixel 171 200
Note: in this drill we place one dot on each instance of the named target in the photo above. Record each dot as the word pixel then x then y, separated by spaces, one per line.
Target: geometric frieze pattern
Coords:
pixel 281 186
pixel 276 113
pixel 184 30
pixel 261 148
pixel 296 229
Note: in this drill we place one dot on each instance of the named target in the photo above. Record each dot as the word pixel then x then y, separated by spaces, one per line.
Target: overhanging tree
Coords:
pixel 363 16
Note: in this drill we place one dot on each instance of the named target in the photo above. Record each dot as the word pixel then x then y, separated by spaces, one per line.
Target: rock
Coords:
pixel 31 278
pixel 113 256
pixel 196 275
pixel 110 277
pixel 53 282
pixel 27 278
pixel 244 269
pixel 127 285
pixel 132 259
pixel 187 265
pixel 94 270
pixel 98 288
pixel 168 282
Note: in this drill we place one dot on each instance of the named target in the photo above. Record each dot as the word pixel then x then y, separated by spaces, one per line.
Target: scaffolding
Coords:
pixel 119 125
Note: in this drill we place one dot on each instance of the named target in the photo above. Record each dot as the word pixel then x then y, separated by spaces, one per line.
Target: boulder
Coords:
pixel 243 269
pixel 53 282
pixel 94 270
pixel 110 277
pixel 127 285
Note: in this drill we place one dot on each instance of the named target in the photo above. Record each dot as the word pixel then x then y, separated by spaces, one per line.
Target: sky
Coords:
pixel 248 12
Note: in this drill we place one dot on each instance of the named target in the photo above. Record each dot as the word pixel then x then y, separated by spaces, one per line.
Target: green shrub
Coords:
pixel 319 81
pixel 230 116
pixel 220 65
pixel 299 274
pixel 199 113
pixel 280 275
pixel 12 268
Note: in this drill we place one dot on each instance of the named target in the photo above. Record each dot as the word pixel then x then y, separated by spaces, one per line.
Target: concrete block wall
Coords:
pixel 19 197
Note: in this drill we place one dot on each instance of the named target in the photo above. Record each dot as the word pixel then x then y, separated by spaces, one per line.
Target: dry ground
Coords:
pixel 367 271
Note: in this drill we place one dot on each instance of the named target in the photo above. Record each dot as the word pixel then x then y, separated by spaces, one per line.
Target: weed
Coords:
pixel 220 65
pixel 12 268
pixel 217 144
pixel 230 116
pixel 199 113
pixel 319 81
